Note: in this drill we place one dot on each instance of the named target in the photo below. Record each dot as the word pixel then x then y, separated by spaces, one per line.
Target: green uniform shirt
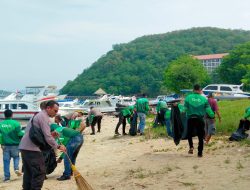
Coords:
pixel 181 108
pixel 142 105
pixel 197 105
pixel 11 132
pixel 161 105
pixel 247 113
pixel 65 134
pixel 74 123
pixel 168 114
pixel 127 111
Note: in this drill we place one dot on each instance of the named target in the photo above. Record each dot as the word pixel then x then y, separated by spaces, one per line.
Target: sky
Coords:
pixel 48 42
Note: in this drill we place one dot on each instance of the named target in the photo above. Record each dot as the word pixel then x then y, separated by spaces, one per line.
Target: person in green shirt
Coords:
pixel 247 113
pixel 11 133
pixel 124 114
pixel 196 107
pixel 72 140
pixel 142 108
pixel 161 109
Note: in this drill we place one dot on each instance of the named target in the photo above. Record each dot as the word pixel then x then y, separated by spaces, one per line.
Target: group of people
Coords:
pixel 62 132
pixel 199 110
pixel 140 110
pixel 65 133
pixel 200 113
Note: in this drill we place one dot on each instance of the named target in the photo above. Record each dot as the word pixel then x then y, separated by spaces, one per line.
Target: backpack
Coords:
pixel 37 137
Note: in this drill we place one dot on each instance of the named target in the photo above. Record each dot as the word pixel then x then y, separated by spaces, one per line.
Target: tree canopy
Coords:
pixel 184 72
pixel 235 67
pixel 138 66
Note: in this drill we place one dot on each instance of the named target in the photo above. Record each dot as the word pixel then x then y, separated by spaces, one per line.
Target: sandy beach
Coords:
pixel 127 163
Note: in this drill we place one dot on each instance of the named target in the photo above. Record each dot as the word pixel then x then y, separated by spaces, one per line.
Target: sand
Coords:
pixel 127 163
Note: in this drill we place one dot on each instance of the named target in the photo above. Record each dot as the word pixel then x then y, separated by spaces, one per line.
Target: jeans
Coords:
pixel 142 118
pixel 73 147
pixel 168 127
pixel 8 153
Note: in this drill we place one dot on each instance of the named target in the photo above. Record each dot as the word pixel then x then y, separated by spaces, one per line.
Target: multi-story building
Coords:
pixel 212 61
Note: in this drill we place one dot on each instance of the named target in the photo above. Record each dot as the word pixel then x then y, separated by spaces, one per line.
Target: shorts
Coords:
pixel 210 128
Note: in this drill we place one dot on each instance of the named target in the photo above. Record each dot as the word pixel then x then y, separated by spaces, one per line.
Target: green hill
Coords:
pixel 138 66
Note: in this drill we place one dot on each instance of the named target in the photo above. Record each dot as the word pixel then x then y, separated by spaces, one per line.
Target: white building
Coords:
pixel 212 61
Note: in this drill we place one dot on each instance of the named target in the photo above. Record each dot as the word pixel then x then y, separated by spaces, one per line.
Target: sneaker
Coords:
pixel 117 133
pixel 18 173
pixel 5 180
pixel 141 134
pixel 63 178
pixel 200 155
pixel 124 134
pixel 92 133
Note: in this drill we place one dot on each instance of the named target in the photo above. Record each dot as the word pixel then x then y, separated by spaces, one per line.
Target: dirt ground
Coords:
pixel 127 163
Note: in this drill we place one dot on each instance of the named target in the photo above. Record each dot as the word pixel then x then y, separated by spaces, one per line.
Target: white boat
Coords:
pixel 104 105
pixel 67 106
pixel 226 91
pixel 24 106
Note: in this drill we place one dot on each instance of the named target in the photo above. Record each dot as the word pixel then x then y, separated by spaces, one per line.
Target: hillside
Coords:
pixel 138 66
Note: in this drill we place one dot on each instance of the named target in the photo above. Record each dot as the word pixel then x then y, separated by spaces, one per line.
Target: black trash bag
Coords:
pixel 50 160
pixel 37 137
pixel 240 133
pixel 133 125
pixel 177 125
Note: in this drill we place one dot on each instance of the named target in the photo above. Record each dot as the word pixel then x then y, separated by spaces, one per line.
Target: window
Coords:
pixel 225 88
pixel 211 88
pixel 22 106
pixel 7 106
pixel 13 106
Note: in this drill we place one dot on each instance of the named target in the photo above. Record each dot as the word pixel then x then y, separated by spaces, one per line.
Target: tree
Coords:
pixel 235 67
pixel 246 77
pixel 138 66
pixel 184 72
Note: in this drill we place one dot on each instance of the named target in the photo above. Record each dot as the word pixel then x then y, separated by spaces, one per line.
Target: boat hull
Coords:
pixel 21 115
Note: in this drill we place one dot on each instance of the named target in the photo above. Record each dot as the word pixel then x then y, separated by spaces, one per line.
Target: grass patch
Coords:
pixel 239 165
pixel 195 167
pixel 231 113
pixel 162 150
pixel 227 161
pixel 141 173
pixel 245 142
pixel 187 183
pixel 154 133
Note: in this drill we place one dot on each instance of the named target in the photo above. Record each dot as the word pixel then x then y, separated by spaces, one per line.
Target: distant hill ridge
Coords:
pixel 138 66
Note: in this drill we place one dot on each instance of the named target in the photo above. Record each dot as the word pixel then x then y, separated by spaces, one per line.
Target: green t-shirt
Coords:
pixel 247 113
pixel 74 123
pixel 161 105
pixel 196 104
pixel 11 132
pixel 65 133
pixel 142 105
pixel 127 111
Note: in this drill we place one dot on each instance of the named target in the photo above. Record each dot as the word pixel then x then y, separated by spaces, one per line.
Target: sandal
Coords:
pixel 191 151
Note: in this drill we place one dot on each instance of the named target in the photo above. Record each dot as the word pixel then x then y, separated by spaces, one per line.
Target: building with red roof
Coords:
pixel 211 61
